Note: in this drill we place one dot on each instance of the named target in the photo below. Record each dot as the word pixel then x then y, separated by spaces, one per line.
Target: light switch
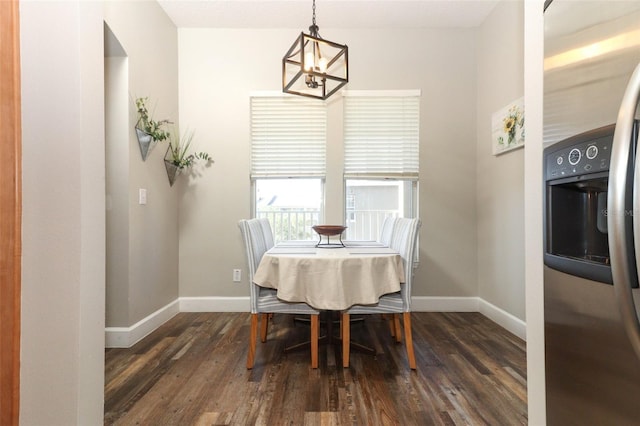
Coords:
pixel 142 196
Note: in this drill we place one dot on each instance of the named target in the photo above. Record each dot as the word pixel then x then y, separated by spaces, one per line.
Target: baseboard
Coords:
pixel 503 318
pixel 471 304
pixel 444 304
pixel 214 304
pixel 125 337
pixel 418 304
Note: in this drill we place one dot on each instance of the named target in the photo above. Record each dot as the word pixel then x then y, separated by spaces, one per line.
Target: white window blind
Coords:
pixel 288 137
pixel 381 134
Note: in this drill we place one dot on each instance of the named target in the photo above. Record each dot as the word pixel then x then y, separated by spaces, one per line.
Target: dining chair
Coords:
pixel 386 231
pixel 264 301
pixel 404 241
pixel 267 232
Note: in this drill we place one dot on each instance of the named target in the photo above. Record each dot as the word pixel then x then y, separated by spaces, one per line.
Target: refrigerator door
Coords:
pixel 592 374
pixel 592 369
pixel 591 49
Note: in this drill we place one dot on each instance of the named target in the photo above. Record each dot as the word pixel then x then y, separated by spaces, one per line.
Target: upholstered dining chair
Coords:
pixel 386 231
pixel 264 301
pixel 404 240
pixel 267 232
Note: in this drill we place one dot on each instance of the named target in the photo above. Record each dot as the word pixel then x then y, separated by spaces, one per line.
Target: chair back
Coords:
pixel 387 230
pixel 254 247
pixel 405 240
pixel 267 232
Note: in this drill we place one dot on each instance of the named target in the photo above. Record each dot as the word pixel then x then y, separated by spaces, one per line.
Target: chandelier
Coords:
pixel 313 66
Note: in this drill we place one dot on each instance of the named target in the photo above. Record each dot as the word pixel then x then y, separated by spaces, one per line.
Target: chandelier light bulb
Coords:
pixel 322 64
pixel 308 61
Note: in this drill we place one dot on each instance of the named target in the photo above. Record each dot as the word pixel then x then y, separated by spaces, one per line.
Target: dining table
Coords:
pixel 328 277
pixel 331 278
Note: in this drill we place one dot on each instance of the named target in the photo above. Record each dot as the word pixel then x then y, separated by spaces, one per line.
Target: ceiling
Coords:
pixel 329 13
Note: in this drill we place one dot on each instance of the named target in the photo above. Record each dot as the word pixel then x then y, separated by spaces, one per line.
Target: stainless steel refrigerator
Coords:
pixel 592 215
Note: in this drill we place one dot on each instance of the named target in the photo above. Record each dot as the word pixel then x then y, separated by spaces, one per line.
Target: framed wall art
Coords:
pixel 507 127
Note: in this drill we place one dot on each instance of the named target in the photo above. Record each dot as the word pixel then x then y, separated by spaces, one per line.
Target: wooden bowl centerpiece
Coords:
pixel 329 231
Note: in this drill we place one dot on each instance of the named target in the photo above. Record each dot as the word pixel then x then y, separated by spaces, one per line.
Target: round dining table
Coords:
pixel 331 278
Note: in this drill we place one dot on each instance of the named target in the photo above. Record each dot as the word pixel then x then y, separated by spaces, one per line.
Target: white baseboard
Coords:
pixel 125 337
pixel 214 304
pixel 418 304
pixel 471 304
pixel 504 319
pixel 444 304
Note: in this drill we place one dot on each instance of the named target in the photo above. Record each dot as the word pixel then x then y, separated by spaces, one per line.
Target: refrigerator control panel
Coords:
pixel 577 156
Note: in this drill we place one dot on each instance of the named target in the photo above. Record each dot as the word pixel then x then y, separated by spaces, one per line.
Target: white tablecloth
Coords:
pixel 331 278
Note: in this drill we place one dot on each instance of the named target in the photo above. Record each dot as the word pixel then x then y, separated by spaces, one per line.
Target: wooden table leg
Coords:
pixel 346 339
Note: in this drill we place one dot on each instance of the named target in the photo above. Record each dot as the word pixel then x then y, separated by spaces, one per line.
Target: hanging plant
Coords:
pixel 178 157
pixel 148 130
pixel 148 124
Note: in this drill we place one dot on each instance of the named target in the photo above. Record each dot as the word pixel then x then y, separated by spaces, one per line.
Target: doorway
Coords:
pixel 116 108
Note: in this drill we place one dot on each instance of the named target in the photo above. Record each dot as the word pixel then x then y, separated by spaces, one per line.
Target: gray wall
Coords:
pixel 218 72
pixel 500 179
pixel 142 240
pixel 64 273
pixel 62 330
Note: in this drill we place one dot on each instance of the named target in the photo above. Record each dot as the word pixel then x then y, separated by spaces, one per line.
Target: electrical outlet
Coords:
pixel 237 275
pixel 142 196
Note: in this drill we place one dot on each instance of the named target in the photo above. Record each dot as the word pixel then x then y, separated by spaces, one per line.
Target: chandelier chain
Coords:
pixel 314 13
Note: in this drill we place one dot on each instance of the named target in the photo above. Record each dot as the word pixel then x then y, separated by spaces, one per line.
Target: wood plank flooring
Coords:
pixel 191 371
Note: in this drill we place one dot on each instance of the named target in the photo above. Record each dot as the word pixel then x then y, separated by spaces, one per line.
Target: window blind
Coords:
pixel 381 134
pixel 288 137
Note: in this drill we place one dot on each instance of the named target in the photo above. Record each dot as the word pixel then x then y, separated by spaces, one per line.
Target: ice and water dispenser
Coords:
pixel 576 173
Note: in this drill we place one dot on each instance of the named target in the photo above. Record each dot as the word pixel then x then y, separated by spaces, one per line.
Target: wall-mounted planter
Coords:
pixel 173 171
pixel 146 142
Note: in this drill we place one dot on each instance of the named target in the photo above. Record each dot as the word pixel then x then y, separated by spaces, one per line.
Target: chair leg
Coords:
pixel 409 340
pixel 396 325
pixel 252 341
pixel 345 326
pixel 315 331
pixel 389 320
pixel 264 325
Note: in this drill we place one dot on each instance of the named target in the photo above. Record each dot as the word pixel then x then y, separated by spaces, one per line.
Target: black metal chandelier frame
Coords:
pixel 318 83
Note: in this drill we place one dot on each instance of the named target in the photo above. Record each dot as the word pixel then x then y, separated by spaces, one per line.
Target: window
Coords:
pixel 288 163
pixel 381 149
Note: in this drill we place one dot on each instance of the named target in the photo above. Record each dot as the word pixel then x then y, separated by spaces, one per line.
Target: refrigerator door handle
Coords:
pixel 621 154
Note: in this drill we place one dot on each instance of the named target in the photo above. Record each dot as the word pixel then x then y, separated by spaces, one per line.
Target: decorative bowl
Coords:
pixel 329 229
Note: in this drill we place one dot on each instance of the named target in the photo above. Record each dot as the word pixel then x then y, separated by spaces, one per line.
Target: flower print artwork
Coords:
pixel 507 127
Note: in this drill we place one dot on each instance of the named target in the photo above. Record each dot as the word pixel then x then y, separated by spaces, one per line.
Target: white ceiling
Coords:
pixel 329 13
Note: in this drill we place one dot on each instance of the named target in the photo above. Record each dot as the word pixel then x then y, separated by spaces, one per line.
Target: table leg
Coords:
pixel 346 339
pixel 329 318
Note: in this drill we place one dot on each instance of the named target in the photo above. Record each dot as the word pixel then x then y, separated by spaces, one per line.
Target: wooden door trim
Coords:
pixel 10 212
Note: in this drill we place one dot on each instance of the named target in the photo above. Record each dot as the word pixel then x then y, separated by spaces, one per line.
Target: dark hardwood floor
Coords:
pixel 191 371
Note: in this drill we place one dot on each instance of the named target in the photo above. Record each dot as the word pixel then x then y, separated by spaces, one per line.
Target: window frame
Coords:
pixel 316 173
pixel 410 177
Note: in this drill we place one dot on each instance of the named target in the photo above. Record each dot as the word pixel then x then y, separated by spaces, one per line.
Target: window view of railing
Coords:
pixel 365 225
pixel 291 224
pixel 292 206
pixel 361 225
pixel 369 201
